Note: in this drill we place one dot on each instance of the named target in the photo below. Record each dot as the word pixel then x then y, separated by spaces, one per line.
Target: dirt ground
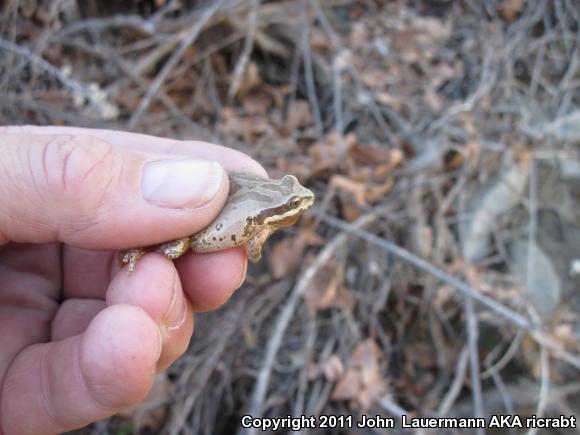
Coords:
pixel 438 273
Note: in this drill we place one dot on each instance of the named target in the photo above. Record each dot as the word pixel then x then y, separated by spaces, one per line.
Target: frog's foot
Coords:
pixel 255 245
pixel 176 248
pixel 131 257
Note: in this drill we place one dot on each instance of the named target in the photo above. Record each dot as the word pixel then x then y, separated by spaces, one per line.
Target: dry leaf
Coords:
pixel 324 154
pixel 362 193
pixel 376 78
pixel 349 210
pixel 286 255
pixel 299 115
pixel 378 191
pixel 326 290
pixel 322 288
pixel 374 156
pixel 356 189
pixel 254 127
pixel 511 9
pixel 257 103
pixel 362 380
pixel 387 99
pixel 333 368
pixel 250 80
pixel 300 166
pixel 318 40
pixel 349 386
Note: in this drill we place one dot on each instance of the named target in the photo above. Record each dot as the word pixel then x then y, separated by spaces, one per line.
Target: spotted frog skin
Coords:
pixel 256 208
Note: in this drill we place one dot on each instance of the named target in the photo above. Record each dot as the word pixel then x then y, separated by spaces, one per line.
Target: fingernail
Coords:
pixel 243 275
pixel 184 183
pixel 177 311
pixel 160 344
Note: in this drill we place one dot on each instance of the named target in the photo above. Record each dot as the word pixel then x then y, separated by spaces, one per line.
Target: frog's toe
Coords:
pixel 130 258
pixel 176 248
pixel 254 255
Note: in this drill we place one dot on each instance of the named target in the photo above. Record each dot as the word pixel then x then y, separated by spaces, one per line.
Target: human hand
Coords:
pixel 80 339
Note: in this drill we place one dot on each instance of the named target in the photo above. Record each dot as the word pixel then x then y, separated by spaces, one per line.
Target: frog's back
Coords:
pixel 233 226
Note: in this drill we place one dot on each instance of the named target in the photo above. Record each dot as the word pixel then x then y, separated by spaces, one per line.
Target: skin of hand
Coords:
pixel 80 339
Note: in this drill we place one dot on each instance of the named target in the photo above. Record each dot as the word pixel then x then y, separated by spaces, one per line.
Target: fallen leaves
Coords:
pixel 327 290
pixel 511 9
pixel 287 254
pixel 362 381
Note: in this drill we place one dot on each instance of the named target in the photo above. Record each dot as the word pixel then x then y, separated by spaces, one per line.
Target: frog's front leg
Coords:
pixel 131 257
pixel 172 250
pixel 255 244
pixel 175 248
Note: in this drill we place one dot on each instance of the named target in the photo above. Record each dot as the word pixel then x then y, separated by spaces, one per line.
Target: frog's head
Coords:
pixel 287 205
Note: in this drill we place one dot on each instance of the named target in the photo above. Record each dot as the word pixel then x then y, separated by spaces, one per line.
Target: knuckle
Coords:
pixel 78 172
pixel 73 173
pixel 83 163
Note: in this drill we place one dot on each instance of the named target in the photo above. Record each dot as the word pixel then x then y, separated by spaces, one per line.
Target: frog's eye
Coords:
pixel 294 202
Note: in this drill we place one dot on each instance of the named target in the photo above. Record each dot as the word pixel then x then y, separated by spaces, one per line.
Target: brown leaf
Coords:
pixel 286 255
pixel 362 380
pixel 356 189
pixel 257 103
pixel 349 386
pixel 300 166
pixel 326 290
pixel 368 154
pixel 369 161
pixel 299 115
pixel 386 98
pixel 363 193
pixel 418 41
pixel 333 368
pixel 324 154
pixel 318 40
pixel 250 80
pixel 322 288
pixel 511 9
pixel 349 208
pixel 378 191
pixel 255 127
pixel 376 78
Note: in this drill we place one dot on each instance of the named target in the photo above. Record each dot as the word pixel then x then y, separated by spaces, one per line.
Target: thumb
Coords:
pixel 83 191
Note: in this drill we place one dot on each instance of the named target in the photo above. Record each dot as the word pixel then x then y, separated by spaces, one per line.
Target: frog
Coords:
pixel 256 208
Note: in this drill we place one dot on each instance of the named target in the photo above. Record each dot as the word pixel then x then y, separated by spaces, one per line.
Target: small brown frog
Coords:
pixel 256 208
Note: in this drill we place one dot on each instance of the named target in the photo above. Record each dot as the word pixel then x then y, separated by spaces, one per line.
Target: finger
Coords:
pixel 209 279
pixel 230 159
pixel 29 286
pixel 60 386
pixel 84 191
pixel 86 273
pixel 154 286
pixel 74 316
pixel 30 269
